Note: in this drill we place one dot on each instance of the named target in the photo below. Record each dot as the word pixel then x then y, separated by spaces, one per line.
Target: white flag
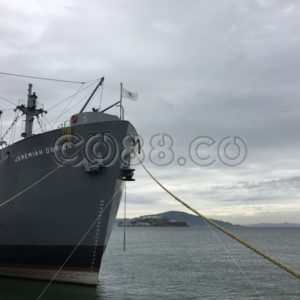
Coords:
pixel 129 95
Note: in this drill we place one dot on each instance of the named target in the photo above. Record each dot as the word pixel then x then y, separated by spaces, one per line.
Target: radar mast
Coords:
pixel 30 111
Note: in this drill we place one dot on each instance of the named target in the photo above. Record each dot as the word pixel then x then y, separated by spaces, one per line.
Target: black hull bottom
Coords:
pixel 51 256
pixel 85 277
pixel 42 262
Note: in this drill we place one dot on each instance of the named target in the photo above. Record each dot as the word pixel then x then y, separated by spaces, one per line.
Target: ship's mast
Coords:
pixel 30 111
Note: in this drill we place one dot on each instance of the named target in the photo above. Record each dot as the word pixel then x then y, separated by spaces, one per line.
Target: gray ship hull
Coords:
pixel 58 226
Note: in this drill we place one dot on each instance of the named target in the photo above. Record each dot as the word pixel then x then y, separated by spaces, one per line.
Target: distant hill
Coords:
pixel 195 221
pixel 191 220
pixel 277 225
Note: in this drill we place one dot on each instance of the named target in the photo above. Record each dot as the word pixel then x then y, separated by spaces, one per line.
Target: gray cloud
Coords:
pixel 201 68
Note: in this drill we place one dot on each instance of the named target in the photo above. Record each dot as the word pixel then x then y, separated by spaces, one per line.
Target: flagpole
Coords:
pixel 121 96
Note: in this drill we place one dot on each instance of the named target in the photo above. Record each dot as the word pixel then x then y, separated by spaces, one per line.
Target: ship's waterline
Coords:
pixel 87 277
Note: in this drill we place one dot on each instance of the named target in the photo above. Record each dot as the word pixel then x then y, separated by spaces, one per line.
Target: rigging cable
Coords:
pixel 65 99
pixel 48 123
pixel 13 130
pixel 227 232
pixel 46 11
pixel 68 104
pixel 91 82
pixel 8 101
pixel 10 127
pixel 83 98
pixel 44 78
pixel 53 121
pixel 74 104
pixel 38 119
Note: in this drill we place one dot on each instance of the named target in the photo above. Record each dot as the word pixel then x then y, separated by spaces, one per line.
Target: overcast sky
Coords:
pixel 201 68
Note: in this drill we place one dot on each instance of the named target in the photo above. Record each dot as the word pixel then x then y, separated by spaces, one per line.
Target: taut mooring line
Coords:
pixel 258 251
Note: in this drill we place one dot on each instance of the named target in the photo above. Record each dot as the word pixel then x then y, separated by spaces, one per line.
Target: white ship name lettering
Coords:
pixel 41 152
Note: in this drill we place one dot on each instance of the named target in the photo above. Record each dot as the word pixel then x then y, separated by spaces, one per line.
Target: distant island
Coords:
pixel 277 225
pixel 169 219
pixel 183 219
pixel 152 221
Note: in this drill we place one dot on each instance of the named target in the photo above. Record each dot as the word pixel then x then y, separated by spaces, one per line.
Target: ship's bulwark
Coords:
pixel 67 218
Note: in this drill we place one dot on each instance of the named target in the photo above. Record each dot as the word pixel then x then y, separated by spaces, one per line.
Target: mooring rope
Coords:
pixel 258 251
pixel 33 184
pixel 124 220
pixel 79 243
pixel 30 187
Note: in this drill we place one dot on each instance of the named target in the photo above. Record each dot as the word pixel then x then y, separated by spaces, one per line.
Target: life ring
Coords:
pixel 74 119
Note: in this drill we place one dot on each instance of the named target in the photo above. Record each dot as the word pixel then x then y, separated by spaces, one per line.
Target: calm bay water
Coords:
pixel 182 263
